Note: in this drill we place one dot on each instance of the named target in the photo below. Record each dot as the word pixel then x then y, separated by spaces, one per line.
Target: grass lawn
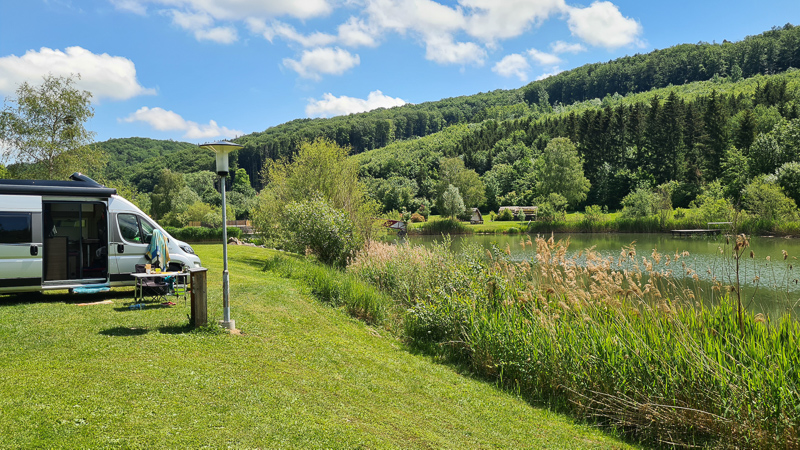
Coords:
pixel 301 375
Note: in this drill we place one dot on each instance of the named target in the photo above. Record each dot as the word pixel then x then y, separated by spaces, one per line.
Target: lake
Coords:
pixel 770 282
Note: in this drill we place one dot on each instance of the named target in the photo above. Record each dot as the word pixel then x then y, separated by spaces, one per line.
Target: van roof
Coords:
pixel 78 185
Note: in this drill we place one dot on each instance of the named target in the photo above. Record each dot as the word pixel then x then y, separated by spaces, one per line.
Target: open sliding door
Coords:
pixel 76 241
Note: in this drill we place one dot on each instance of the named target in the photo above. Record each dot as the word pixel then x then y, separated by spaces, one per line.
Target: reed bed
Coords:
pixel 616 341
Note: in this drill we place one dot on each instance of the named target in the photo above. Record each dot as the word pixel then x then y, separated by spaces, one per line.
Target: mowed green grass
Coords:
pixel 301 375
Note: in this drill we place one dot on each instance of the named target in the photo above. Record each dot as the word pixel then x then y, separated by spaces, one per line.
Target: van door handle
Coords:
pixel 120 248
pixel 34 250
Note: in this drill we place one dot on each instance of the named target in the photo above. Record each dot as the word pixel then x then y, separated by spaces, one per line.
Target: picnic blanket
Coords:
pixel 157 251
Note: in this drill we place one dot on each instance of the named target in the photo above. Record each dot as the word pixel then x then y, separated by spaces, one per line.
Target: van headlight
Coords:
pixel 187 248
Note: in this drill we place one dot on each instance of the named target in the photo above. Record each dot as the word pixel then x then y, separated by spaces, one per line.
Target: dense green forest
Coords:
pixel 697 117
pixel 769 53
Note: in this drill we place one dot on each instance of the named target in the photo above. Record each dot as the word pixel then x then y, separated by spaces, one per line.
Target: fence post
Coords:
pixel 199 297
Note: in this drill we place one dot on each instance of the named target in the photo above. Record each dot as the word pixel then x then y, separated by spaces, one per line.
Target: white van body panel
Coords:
pixel 17 260
pixel 21 203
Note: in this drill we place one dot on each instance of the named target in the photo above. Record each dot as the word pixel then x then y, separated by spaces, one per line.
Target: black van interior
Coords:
pixel 75 240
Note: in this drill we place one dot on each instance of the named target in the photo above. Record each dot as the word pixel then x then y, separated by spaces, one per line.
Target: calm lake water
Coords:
pixel 770 285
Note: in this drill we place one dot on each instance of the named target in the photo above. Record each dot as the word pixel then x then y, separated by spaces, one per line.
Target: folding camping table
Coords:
pixel 181 281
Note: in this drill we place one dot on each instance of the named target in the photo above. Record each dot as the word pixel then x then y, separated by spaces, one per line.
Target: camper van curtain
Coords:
pixel 157 252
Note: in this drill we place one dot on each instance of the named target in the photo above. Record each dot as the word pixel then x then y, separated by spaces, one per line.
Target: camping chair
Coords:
pixel 155 288
pixel 178 283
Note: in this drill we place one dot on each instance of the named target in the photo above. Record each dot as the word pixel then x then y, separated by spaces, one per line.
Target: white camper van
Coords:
pixel 73 234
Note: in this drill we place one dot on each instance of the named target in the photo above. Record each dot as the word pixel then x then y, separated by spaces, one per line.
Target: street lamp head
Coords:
pixel 222 148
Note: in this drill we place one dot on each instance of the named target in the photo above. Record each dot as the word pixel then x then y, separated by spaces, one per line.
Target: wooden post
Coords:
pixel 199 296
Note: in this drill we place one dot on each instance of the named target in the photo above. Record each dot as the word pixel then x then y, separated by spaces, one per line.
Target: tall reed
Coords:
pixel 614 340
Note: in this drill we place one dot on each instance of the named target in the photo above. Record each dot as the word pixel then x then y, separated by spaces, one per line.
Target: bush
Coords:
pixel 505 215
pixel 639 203
pixel 767 201
pixel 593 214
pixel 416 218
pixel 324 230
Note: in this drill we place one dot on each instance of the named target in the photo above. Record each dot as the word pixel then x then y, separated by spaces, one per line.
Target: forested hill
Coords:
pixel 771 52
pixel 692 135
pixel 136 160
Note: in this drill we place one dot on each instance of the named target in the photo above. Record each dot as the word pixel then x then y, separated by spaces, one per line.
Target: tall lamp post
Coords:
pixel 222 148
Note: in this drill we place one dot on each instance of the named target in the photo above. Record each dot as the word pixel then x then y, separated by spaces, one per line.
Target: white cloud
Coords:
pixel 491 20
pixel 544 59
pixel 555 71
pixel 432 23
pixel 286 31
pixel 443 50
pixel 563 47
pixel 357 33
pixel 331 105
pixel 105 76
pixel 201 17
pixel 514 65
pixel 422 16
pixel 329 61
pixel 201 25
pixel 163 120
pixel 602 25
pixel 222 35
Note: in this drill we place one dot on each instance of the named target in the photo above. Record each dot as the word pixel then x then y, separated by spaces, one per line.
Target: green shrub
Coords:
pixel 768 201
pixel 505 215
pixel 326 231
pixel 639 203
pixel 416 218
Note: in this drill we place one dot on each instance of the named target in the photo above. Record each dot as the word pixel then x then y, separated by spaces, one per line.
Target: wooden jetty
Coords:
pixel 702 231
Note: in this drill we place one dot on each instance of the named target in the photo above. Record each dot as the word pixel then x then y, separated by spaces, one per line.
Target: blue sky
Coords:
pixel 203 70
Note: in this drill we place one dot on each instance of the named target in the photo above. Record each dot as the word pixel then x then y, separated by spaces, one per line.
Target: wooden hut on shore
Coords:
pixel 477 217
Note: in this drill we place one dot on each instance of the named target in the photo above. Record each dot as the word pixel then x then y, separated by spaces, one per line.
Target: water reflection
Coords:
pixel 769 279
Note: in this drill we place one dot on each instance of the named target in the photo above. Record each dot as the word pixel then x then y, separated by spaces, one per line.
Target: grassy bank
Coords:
pixel 631 349
pixel 301 375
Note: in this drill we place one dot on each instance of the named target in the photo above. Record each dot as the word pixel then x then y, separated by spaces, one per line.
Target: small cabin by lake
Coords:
pixel 477 217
